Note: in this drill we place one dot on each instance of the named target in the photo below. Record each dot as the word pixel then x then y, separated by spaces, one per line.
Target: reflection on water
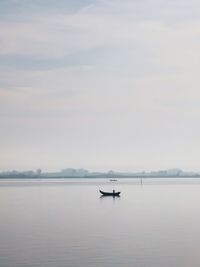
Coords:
pixel 67 223
pixel 105 196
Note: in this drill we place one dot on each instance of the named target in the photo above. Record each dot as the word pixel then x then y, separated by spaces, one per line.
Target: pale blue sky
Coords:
pixel 99 84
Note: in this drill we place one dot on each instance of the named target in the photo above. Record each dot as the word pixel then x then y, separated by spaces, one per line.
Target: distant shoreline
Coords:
pixel 97 177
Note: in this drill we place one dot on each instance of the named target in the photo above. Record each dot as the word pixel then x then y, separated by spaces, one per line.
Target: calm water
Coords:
pixel 64 223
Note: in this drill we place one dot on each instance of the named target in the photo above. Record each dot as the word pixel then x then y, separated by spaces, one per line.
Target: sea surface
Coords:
pixel 66 223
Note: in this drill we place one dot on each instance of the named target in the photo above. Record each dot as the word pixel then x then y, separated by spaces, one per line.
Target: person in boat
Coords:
pixel 113 191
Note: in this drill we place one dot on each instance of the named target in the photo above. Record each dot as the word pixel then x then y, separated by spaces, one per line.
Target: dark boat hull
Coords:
pixel 116 194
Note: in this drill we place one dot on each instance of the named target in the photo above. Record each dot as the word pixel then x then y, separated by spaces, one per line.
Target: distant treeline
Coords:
pixel 82 173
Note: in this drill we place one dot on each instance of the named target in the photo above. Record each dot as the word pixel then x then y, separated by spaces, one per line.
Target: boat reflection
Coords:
pixel 113 196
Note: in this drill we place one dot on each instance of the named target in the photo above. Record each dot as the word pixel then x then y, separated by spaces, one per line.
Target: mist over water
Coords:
pixel 66 222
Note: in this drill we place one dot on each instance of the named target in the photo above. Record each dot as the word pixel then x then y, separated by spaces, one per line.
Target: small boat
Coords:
pixel 114 194
pixel 113 180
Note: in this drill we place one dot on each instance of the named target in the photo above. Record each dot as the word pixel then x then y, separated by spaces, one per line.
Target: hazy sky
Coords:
pixel 99 84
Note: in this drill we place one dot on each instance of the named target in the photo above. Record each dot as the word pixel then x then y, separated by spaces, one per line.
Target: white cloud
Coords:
pixel 129 90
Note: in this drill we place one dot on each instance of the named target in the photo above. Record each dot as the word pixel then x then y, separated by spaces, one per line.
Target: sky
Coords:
pixel 99 84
